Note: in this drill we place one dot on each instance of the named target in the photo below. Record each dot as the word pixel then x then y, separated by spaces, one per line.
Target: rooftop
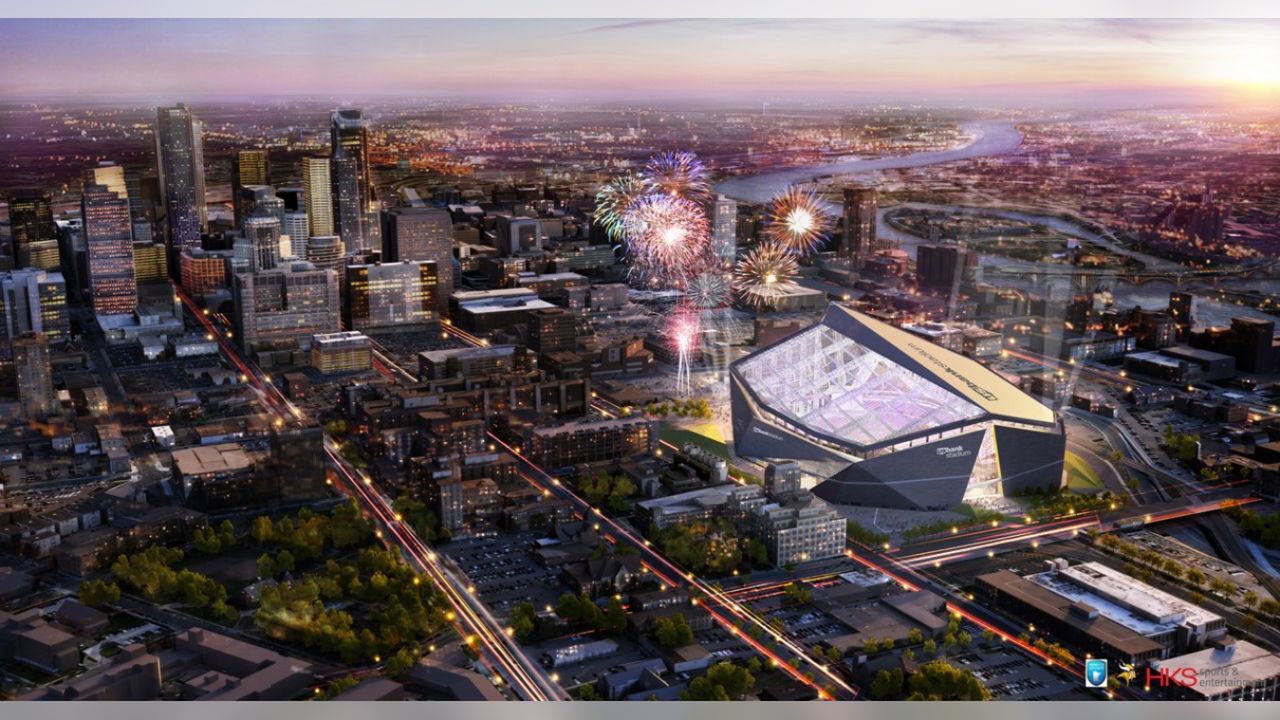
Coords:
pixel 227 457
pixel 1222 667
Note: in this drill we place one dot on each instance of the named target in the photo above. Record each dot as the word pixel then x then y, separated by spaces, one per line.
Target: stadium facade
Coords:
pixel 890 419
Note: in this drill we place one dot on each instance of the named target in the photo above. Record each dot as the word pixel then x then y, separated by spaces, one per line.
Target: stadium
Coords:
pixel 891 420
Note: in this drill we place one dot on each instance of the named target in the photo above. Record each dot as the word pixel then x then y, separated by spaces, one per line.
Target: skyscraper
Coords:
pixel 350 175
pixel 319 194
pixel 262 232
pixel 31 228
pixel 295 225
pixel 32 300
pixel 34 374
pixel 108 237
pixel 859 242
pixel 180 167
pixel 424 234
pixel 248 167
pixel 723 214
pixel 390 295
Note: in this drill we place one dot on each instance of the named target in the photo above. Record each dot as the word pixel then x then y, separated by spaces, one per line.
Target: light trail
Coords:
pixel 675 576
pixel 474 621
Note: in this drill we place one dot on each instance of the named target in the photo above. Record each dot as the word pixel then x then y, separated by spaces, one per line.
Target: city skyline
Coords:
pixel 1089 63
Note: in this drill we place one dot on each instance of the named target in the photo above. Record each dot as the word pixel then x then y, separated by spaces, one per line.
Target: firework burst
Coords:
pixel 668 239
pixel 708 290
pixel 679 174
pixel 764 274
pixel 683 333
pixel 797 221
pixel 614 199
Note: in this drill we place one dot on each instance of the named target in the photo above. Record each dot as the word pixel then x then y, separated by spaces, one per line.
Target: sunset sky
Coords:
pixel 1039 62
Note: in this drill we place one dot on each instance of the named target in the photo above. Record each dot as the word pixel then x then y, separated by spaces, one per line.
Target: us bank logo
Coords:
pixel 1095 673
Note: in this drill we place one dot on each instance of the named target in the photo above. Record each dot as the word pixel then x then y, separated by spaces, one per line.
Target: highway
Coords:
pixel 475 624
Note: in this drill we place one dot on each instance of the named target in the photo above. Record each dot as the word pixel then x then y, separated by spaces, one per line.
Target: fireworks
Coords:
pixel 613 201
pixel 683 334
pixel 764 273
pixel 668 239
pixel 708 290
pixel 679 174
pixel 797 221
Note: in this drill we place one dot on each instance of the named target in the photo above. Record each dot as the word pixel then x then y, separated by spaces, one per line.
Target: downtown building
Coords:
pixel 390 295
pixel 33 235
pixel 285 306
pixel 32 301
pixel 352 185
pixel 412 234
pixel 890 419
pixel 108 236
pixel 180 168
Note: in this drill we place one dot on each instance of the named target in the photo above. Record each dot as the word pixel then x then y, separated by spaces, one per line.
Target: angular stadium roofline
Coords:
pixel 962 377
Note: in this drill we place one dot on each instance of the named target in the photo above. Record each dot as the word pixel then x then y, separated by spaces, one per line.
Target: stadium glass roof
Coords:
pixel 863 382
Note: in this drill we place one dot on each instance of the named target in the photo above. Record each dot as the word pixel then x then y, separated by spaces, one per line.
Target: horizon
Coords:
pixel 1019 64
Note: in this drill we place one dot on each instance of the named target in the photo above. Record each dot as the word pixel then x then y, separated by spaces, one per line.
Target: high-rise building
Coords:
pixel 113 287
pixel 390 295
pixel 516 234
pixel 263 235
pixel 943 267
pixel 859 242
pixel 1253 340
pixel 32 300
pixel 180 167
pixel 248 167
pixel 295 225
pixel 286 305
pixel 31 228
pixel 319 195
pixel 351 177
pixel 202 272
pixel 723 214
pixel 421 234
pixel 149 262
pixel 295 198
pixel 110 175
pixel 552 330
pixel 34 374
pixel 1182 308
pixel 248 199
pixel 326 252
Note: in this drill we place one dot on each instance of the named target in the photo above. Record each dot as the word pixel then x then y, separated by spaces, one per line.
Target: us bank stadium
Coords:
pixel 888 419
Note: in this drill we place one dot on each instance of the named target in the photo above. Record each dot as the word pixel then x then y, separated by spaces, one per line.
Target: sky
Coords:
pixel 974 62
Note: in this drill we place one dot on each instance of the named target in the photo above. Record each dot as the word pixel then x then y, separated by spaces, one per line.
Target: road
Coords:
pixel 503 654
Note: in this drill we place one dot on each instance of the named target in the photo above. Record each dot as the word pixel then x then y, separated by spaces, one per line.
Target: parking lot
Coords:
pixel 504 572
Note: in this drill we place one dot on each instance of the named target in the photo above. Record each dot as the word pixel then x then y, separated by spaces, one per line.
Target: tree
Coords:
pixel 266 567
pixel 587 693
pixel 914 636
pixel 402 661
pixel 523 620
pixel 940 680
pixel 834 655
pixel 964 638
pixel 261 530
pixel 339 686
pixel 930 647
pixel 870 646
pixel 1248 621
pixel 284 562
pixel 723 681
pixel 672 631
pixel 1195 577
pixel 1250 598
pixel 796 594
pixel 887 684
pixel 96 593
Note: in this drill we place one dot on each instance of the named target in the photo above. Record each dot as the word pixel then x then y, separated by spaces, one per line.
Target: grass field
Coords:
pixel 1080 475
pixel 706 436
